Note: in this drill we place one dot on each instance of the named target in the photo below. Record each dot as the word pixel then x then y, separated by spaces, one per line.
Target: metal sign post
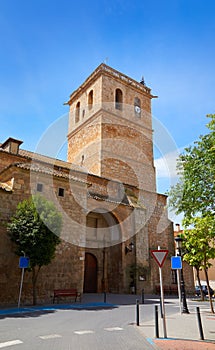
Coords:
pixel 162 301
pixel 160 256
pixel 176 264
pixel 20 289
pixel 179 289
pixel 23 263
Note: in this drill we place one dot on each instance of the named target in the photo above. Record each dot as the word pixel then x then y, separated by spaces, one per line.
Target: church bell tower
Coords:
pixel 110 128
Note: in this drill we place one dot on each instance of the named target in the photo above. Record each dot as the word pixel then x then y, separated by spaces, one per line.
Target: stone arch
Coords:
pixel 137 107
pixel 90 99
pixel 118 99
pixel 104 240
pixel 103 229
pixel 77 112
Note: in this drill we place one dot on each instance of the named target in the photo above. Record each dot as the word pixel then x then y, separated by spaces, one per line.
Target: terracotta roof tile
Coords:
pixel 46 169
pixel 99 197
pixel 50 160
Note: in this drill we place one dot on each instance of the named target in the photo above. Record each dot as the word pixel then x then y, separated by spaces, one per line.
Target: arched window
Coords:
pixel 77 112
pixel 118 99
pixel 137 107
pixel 90 99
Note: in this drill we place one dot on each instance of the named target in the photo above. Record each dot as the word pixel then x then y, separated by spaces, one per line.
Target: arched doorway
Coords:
pixel 90 274
pixel 103 239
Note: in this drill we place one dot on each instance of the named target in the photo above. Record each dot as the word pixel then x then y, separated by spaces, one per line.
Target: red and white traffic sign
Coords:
pixel 159 255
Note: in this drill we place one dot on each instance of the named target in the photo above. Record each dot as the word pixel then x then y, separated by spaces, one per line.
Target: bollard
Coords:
pixel 137 313
pixel 199 323
pixel 142 296
pixel 161 308
pixel 105 297
pixel 156 322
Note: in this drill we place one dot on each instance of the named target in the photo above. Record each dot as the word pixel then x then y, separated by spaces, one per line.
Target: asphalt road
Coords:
pixel 103 328
pixel 112 329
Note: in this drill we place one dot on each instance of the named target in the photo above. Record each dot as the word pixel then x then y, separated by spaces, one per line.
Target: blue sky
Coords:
pixel 48 48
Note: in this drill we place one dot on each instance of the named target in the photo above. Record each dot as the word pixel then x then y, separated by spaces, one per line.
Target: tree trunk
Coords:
pixel 208 286
pixel 34 282
pixel 199 282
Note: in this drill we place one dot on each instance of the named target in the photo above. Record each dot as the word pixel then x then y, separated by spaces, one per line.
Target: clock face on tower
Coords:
pixel 137 110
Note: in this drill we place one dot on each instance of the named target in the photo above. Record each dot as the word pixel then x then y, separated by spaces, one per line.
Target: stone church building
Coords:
pixel 105 191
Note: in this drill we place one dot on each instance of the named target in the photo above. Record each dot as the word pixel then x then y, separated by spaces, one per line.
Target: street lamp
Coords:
pixel 178 241
pixel 129 248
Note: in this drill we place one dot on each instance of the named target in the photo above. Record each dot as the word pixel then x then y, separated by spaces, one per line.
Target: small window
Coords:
pixel 77 112
pixel 137 107
pixel 61 192
pixel 118 99
pixel 90 99
pixel 82 159
pixel 39 187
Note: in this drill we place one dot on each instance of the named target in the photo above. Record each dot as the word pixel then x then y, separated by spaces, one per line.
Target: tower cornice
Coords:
pixel 103 69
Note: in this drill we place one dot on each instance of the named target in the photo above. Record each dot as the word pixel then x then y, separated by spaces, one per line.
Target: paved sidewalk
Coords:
pixel 182 329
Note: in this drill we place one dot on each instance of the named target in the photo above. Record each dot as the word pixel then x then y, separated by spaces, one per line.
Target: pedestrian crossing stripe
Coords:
pixel 111 329
pixel 84 332
pixel 10 343
pixel 50 336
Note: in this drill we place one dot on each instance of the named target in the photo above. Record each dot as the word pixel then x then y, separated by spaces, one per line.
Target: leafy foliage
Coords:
pixel 199 244
pixel 194 196
pixel 35 229
pixel 199 241
pixel 195 191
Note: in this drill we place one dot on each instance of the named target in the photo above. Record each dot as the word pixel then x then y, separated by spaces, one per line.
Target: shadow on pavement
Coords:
pixel 38 311
pixel 90 301
pixel 23 313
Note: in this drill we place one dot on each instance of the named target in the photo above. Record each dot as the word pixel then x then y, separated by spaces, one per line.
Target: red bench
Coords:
pixel 173 289
pixel 62 293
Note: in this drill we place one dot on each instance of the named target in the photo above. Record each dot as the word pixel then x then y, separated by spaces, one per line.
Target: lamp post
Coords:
pixel 185 310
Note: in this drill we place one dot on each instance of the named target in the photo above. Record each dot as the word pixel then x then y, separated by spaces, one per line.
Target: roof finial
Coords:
pixel 142 81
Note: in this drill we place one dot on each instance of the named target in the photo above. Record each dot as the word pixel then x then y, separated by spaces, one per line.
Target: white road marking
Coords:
pixel 9 343
pixel 84 332
pixel 50 336
pixel 112 329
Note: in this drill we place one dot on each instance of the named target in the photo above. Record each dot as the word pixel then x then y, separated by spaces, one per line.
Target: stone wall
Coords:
pixel 110 142
pixel 108 205
pixel 139 225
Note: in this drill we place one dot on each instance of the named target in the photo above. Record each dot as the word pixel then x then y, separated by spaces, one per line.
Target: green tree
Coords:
pixel 194 196
pixel 199 245
pixel 193 260
pixel 195 191
pixel 35 229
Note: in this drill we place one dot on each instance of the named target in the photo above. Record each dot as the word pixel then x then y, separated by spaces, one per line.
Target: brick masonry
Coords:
pixel 108 203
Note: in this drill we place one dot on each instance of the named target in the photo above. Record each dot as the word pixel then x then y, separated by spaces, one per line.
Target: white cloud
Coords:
pixel 167 176
pixel 166 165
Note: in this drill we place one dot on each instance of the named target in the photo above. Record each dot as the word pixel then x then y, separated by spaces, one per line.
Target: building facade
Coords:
pixel 106 192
